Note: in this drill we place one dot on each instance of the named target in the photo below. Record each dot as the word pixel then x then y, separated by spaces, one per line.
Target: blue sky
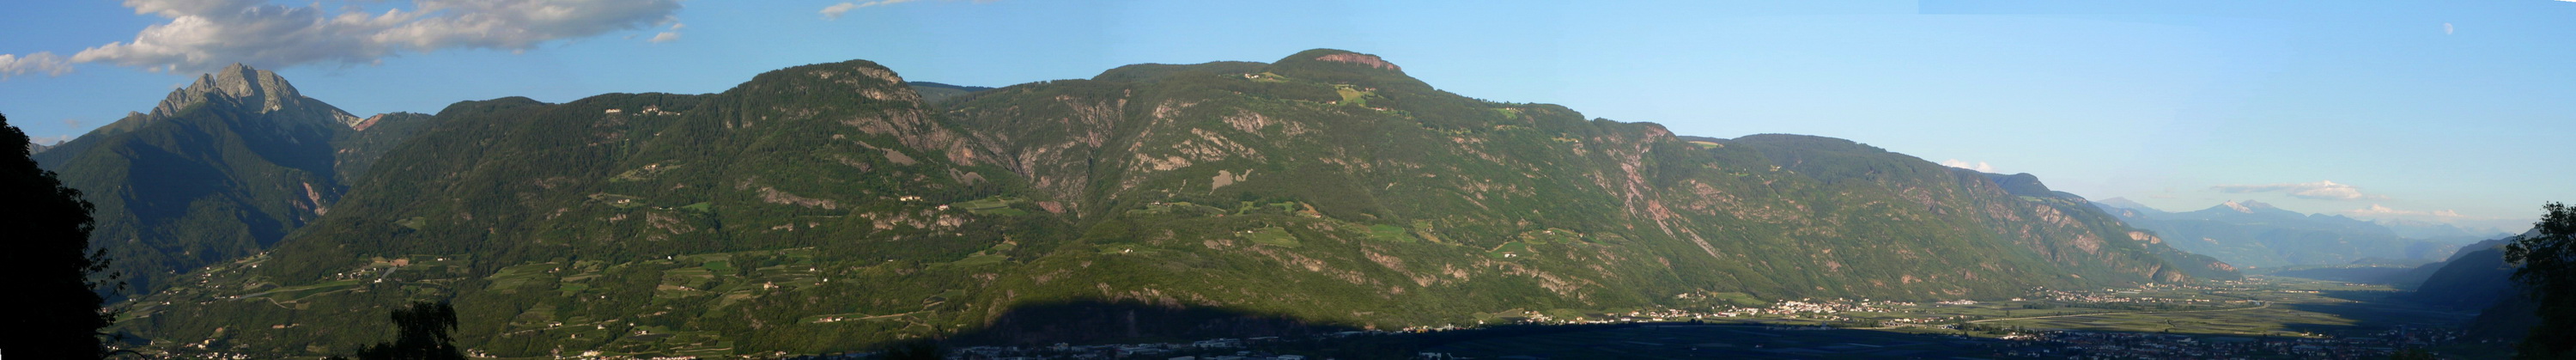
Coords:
pixel 2452 111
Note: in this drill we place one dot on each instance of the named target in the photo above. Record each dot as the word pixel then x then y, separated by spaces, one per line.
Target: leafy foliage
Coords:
pixel 57 279
pixel 2548 275
pixel 421 334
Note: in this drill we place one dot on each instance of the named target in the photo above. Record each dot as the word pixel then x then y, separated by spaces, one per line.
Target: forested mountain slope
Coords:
pixel 220 169
pixel 2479 278
pixel 827 207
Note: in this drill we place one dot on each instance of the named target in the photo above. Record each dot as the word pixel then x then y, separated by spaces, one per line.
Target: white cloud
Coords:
pixel 668 36
pixel 40 62
pixel 2375 210
pixel 835 11
pixel 202 35
pixel 49 140
pixel 2322 190
pixel 1980 166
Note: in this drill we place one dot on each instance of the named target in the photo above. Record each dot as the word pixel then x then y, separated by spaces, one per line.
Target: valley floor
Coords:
pixel 2263 317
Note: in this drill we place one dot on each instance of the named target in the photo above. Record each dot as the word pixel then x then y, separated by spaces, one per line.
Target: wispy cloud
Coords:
pixel 2505 224
pixel 668 36
pixel 835 11
pixel 1980 166
pixel 2321 190
pixel 49 140
pixel 2375 210
pixel 44 62
pixel 203 35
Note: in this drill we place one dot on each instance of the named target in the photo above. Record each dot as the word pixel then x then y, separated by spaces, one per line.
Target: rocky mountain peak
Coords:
pixel 2239 207
pixel 2255 204
pixel 260 91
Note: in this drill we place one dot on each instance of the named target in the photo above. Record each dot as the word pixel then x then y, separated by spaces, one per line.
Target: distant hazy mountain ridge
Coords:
pixel 2252 233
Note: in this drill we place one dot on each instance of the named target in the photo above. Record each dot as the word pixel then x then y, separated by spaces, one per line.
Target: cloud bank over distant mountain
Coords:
pixel 1980 166
pixel 2320 190
pixel 2376 210
pixel 2441 216
pixel 200 36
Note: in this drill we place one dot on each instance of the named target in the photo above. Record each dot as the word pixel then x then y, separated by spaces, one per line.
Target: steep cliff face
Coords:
pixel 827 207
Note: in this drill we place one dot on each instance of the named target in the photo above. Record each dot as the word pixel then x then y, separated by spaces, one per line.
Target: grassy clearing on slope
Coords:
pixel 414 223
pixel 618 201
pixel 1552 236
pixel 520 275
pixel 1352 97
pixel 997 205
pixel 1273 236
pixel 1509 250
pixel 1390 233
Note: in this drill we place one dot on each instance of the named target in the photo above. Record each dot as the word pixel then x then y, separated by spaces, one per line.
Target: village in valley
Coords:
pixel 2263 317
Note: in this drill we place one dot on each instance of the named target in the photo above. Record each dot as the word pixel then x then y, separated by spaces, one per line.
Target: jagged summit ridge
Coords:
pixel 260 91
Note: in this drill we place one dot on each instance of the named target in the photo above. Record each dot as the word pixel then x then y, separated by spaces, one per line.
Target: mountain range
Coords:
pixel 221 169
pixel 832 206
pixel 2258 235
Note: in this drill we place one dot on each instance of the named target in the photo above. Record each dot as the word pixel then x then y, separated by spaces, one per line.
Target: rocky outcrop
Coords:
pixel 1363 59
pixel 258 91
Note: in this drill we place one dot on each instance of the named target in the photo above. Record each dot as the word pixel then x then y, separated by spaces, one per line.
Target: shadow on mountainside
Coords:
pixel 2376 310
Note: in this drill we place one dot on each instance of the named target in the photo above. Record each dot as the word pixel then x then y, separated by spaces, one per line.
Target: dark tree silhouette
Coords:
pixel 54 279
pixel 2548 275
pixel 420 334
pixel 2413 354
